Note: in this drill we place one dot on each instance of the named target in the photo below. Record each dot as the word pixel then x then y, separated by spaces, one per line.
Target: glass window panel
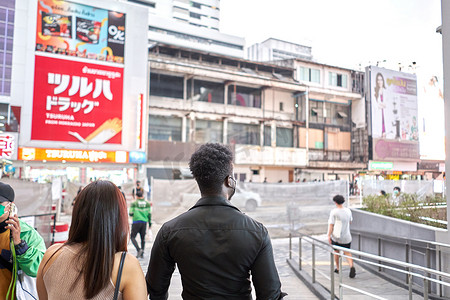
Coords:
pixel 207 91
pixel 8 3
pixel 7 73
pixel 267 136
pixel 3 13
pixel 11 16
pixel 8 59
pixel 284 137
pixel 344 81
pixel 166 86
pixel 2 28
pixel 244 96
pixel 5 88
pixel 315 75
pixel 245 134
pixel 208 131
pixel 164 128
pixel 9 44
pixel 190 88
pixel 333 79
pixel 304 74
pixel 10 30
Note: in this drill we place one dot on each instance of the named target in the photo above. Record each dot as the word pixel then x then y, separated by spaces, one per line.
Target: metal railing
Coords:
pixel 429 249
pixel 425 274
pixel 53 229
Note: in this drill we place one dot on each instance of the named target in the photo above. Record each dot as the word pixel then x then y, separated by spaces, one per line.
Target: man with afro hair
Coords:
pixel 215 246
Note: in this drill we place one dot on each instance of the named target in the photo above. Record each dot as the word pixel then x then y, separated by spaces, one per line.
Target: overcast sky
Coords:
pixel 345 33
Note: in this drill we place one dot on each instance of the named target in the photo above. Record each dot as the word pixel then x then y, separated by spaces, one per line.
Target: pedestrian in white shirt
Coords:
pixel 339 231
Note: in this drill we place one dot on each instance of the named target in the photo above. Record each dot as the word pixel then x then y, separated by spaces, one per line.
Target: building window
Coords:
pixel 336 79
pixel 342 115
pixel 164 128
pixel 285 137
pixel 6 45
pixel 166 86
pixel 308 74
pixel 143 2
pixel 208 91
pixel 267 136
pixel 195 15
pixel 316 112
pixel 245 134
pixel 196 4
pixel 281 106
pixel 208 131
pixel 244 96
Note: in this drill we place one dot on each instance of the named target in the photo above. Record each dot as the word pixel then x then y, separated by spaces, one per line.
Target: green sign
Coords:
pixel 381 165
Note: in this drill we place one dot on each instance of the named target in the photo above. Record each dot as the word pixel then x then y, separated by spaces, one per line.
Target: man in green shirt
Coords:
pixel 140 210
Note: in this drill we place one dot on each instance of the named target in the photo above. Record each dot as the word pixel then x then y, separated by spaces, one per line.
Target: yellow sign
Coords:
pixel 33 154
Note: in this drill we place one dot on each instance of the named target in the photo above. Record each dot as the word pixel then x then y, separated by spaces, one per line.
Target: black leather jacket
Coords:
pixel 216 248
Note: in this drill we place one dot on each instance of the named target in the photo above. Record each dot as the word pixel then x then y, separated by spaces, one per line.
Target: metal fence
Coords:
pixel 284 207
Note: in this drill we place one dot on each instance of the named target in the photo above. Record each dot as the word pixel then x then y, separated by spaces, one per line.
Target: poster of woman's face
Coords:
pixel 393 97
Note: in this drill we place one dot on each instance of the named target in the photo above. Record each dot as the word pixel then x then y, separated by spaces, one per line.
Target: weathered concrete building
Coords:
pixel 280 125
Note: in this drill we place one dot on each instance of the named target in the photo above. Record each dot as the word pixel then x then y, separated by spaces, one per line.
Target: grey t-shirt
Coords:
pixel 344 216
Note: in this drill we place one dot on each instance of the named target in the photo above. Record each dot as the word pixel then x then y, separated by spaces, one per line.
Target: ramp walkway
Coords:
pixel 316 269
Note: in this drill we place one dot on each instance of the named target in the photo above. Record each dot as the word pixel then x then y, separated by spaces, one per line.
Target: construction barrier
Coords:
pixel 61 232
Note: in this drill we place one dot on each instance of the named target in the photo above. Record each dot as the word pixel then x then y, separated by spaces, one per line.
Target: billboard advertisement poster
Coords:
pixel 431 118
pixel 76 101
pixel 73 29
pixel 394 114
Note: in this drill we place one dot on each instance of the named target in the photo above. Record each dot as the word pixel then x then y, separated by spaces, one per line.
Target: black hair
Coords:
pixel 100 224
pixel 339 199
pixel 383 192
pixel 397 188
pixel 210 165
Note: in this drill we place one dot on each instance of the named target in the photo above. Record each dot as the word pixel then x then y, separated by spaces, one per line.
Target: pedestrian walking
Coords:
pixel 141 212
pixel 339 231
pixel 137 188
pixel 214 245
pixel 88 265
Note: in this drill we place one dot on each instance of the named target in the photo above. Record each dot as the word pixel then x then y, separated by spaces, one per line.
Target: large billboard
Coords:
pixel 431 118
pixel 77 101
pixel 394 114
pixel 81 78
pixel 77 30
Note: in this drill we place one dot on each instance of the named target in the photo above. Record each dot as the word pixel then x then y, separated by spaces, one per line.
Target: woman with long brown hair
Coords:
pixel 86 266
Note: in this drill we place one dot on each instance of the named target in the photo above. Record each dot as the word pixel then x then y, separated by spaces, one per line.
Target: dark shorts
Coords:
pixel 341 245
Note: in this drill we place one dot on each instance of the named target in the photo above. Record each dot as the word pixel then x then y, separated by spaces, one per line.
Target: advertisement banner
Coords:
pixel 431 119
pixel 392 150
pixel 69 155
pixel 77 102
pixel 73 29
pixel 394 114
pixel 8 145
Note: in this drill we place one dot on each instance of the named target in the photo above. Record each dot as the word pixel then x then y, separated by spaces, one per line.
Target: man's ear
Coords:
pixel 230 182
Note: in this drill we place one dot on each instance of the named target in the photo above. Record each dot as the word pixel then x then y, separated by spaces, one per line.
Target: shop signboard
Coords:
pixel 77 102
pixel 381 165
pixel 394 114
pixel 73 29
pixel 72 155
pixel 8 145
